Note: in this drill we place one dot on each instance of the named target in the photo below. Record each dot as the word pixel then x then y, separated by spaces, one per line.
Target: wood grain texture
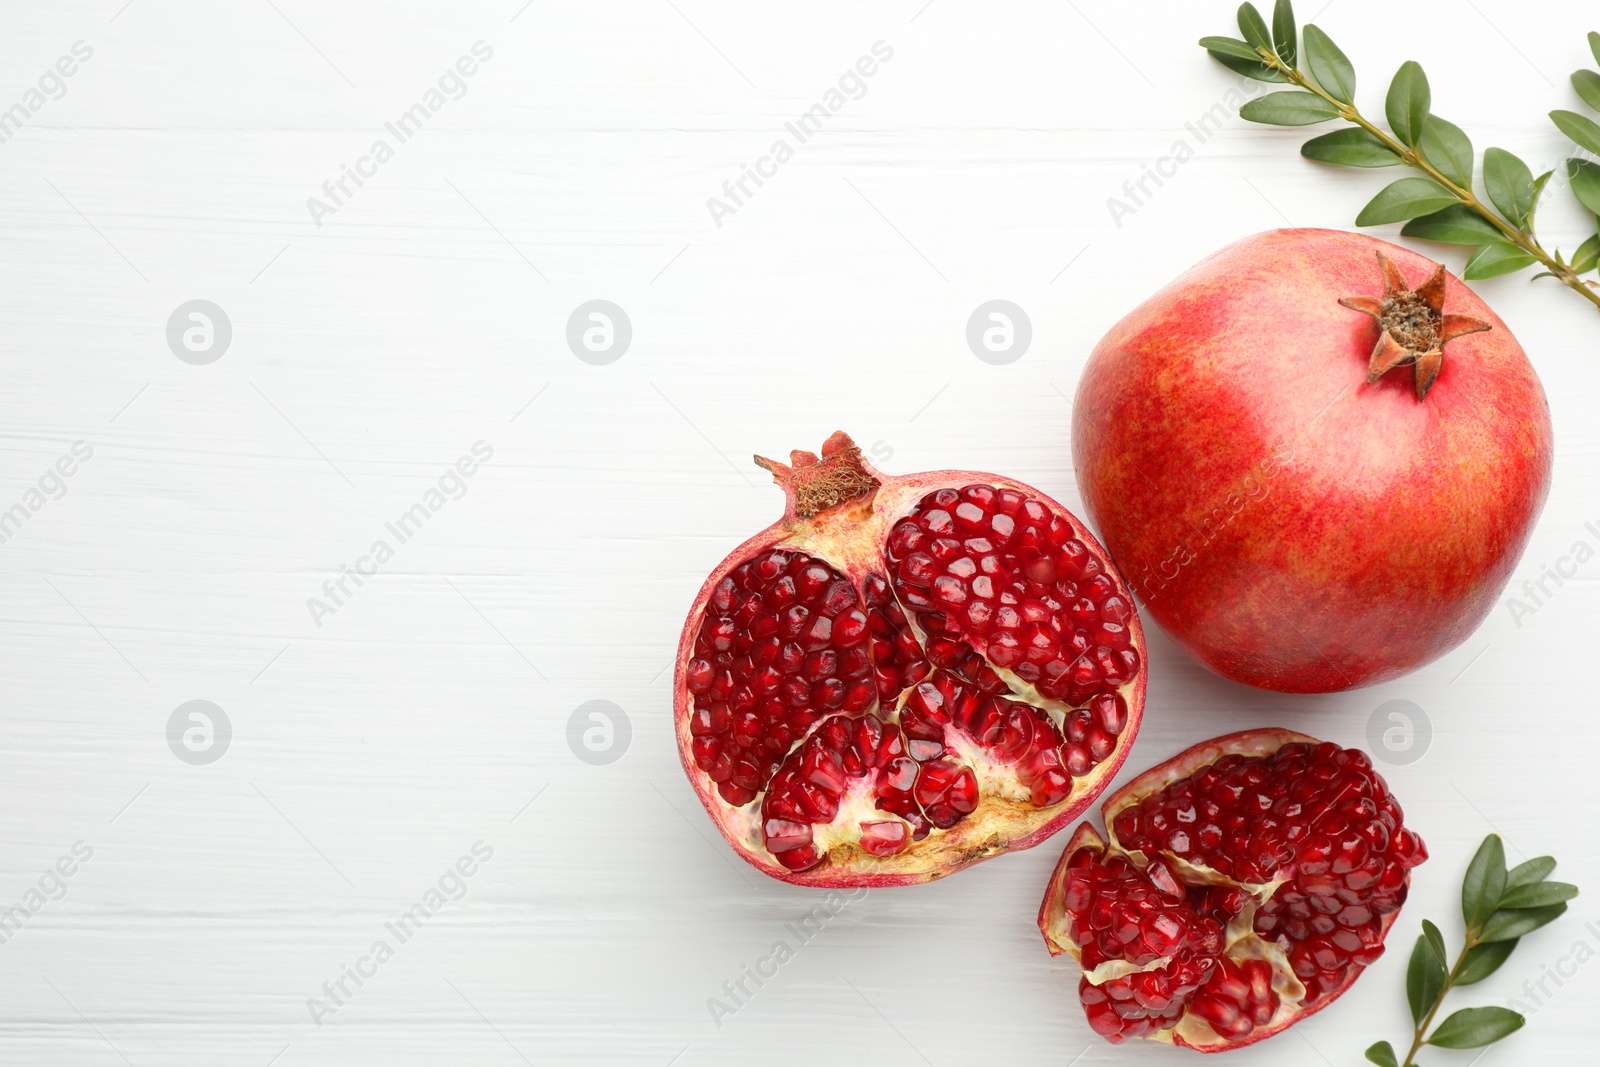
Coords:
pixel 429 313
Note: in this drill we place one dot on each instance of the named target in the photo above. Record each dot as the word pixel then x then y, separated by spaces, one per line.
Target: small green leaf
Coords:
pixel 1585 177
pixel 1289 108
pixel 1283 31
pixel 1408 103
pixel 1329 66
pixel 1254 27
pixel 1541 894
pixel 1495 259
pixel 1425 976
pixel 1538 190
pixel 1511 923
pixel 1582 130
pixel 1483 960
pixel 1587 83
pixel 1447 147
pixel 1455 225
pixel 1383 1055
pixel 1435 939
pixel 1486 874
pixel 1594 45
pixel 1535 870
pixel 1354 147
pixel 1405 199
pixel 1476 1027
pixel 1231 47
pixel 1510 186
pixel 1587 257
pixel 1250 68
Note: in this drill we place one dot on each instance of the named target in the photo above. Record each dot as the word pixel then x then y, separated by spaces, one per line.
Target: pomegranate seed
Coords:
pixel 782 834
pixel 799 859
pixel 884 838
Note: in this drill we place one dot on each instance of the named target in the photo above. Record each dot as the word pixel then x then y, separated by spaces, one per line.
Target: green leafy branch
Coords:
pixel 1498 907
pixel 1440 204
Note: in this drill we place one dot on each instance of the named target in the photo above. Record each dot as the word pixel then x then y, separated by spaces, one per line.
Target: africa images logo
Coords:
pixel 336 192
pixel 451 886
pixel 736 191
pixel 51 85
pixel 451 485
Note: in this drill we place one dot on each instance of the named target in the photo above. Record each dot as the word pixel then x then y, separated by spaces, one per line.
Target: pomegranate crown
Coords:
pixel 1413 326
pixel 814 484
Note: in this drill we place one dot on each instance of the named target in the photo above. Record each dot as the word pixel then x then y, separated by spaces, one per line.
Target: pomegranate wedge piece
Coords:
pixel 905 675
pixel 1246 884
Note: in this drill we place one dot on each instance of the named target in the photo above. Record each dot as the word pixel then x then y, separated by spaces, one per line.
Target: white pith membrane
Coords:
pixel 1240 941
pixel 1005 810
pixel 857 805
pixel 852 541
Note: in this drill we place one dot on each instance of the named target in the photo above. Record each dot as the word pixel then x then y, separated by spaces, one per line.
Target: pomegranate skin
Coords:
pixel 1291 526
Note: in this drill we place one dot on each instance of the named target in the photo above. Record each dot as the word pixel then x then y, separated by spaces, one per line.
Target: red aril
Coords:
pixel 1305 498
pixel 905 675
pixel 1246 884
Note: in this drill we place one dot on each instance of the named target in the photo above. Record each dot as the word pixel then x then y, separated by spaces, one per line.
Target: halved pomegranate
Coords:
pixel 905 675
pixel 1247 883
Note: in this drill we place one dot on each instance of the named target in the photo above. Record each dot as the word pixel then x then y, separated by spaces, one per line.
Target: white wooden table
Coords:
pixel 423 712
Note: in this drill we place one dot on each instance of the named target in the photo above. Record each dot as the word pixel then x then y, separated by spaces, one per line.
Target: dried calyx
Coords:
pixel 1413 326
pixel 814 485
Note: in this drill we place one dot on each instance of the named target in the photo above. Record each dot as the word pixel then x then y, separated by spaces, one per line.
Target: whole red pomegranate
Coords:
pixel 1246 884
pixel 1316 457
pixel 904 675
